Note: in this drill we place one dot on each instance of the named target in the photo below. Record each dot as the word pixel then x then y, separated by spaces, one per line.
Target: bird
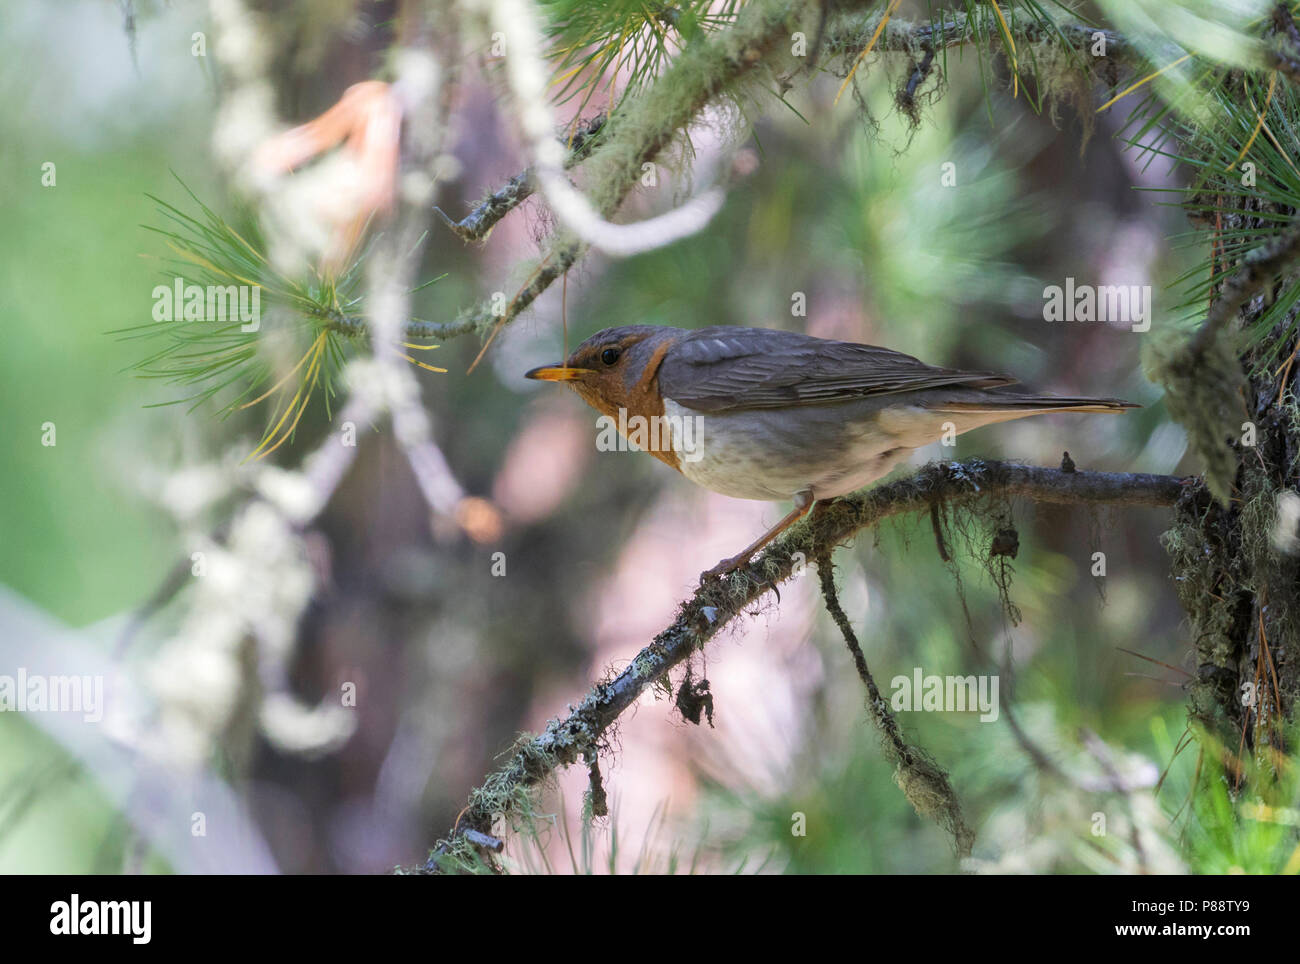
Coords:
pixel 774 415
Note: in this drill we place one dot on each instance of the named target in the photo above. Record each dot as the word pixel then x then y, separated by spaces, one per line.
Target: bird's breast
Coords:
pixel 773 454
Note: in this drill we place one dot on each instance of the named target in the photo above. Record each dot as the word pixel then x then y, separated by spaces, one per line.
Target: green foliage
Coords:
pixel 905 227
pixel 594 40
pixel 1189 45
pixel 293 354
pixel 1233 815
pixel 1244 181
pixel 1230 124
pixel 1225 34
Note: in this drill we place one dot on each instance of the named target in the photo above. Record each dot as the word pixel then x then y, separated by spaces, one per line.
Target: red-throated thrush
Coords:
pixel 760 414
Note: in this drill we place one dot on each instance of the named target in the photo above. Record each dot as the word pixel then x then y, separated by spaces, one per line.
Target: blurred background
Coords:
pixel 449 660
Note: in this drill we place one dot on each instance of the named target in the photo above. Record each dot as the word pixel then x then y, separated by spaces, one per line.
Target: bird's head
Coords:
pixel 615 368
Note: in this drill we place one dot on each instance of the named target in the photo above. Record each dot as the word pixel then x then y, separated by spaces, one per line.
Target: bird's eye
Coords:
pixel 609 356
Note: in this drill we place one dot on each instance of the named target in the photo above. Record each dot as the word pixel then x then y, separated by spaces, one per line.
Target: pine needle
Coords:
pixel 420 364
pixel 1147 79
pixel 1011 47
pixel 880 27
pixel 278 385
pixel 1268 132
pixel 304 393
pixel 317 316
pixel 1272 85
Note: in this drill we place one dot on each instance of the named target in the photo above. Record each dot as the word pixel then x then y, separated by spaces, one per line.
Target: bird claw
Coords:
pixel 725 567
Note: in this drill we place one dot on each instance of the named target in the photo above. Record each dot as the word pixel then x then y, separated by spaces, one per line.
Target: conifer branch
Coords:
pixel 714 605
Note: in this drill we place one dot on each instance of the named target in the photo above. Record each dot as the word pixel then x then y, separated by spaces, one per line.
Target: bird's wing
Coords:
pixel 731 369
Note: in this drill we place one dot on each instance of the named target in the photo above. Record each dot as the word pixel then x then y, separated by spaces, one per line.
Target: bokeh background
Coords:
pixel 451 661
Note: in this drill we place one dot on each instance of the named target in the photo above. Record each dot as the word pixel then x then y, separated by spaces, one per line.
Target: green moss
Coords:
pixel 1203 393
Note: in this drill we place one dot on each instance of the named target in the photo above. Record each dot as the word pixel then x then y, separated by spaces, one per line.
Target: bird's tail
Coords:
pixel 1015 406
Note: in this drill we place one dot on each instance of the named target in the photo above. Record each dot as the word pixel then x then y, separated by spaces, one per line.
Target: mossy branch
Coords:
pixel 849 33
pixel 923 782
pixel 715 604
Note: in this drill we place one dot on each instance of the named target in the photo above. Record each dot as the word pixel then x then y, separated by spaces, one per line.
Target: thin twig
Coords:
pixel 1123 787
pixel 478 224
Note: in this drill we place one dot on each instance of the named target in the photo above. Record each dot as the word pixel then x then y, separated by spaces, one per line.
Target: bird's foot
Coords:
pixel 725 567
pixel 822 506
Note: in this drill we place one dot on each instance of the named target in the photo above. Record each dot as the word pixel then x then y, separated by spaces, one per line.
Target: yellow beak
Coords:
pixel 556 373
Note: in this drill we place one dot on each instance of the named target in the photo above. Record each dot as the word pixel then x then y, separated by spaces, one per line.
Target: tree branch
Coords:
pixel 849 33
pixel 714 605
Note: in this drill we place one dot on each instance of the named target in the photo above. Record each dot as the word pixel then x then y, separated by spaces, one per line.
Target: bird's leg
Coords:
pixel 803 501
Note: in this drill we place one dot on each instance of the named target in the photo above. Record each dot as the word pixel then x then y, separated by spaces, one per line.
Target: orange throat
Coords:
pixel 642 405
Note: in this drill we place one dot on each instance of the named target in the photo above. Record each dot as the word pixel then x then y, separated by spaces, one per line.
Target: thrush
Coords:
pixel 755 413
